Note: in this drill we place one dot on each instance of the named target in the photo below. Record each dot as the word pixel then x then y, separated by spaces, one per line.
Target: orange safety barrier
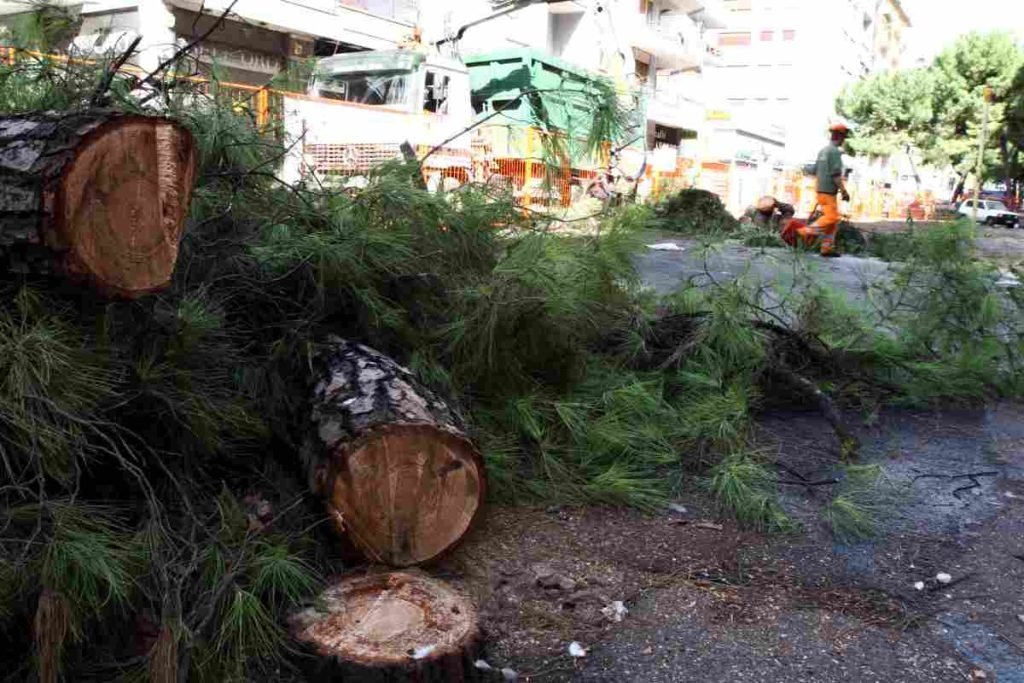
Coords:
pixel 262 101
pixel 715 177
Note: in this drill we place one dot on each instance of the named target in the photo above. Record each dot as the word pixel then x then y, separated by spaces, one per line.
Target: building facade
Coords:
pixel 785 61
pixel 251 46
pixel 657 47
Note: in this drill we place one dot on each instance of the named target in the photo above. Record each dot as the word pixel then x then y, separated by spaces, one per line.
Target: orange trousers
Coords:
pixel 825 227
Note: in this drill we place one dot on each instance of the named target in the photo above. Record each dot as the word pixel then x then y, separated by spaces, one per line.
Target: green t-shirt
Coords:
pixel 827 167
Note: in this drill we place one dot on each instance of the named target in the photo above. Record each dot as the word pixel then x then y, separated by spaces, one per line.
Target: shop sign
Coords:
pixel 245 60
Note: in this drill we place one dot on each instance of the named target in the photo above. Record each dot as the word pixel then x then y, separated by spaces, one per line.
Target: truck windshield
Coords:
pixel 367 87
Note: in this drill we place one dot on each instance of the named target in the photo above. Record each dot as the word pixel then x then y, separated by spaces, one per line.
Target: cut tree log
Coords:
pixel 391 627
pixel 97 196
pixel 401 480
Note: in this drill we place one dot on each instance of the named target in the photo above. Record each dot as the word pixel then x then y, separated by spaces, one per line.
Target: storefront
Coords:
pixel 239 52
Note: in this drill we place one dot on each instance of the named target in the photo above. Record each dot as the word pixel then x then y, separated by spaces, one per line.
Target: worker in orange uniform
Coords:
pixel 829 171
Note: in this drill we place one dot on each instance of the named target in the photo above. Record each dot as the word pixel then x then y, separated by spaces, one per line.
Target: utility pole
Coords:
pixel 983 139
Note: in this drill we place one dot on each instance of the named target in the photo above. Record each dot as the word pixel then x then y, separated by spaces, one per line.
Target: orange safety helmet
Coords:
pixel 839 128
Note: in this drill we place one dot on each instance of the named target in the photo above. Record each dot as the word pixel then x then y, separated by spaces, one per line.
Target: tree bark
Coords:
pixel 395 627
pixel 401 480
pixel 97 196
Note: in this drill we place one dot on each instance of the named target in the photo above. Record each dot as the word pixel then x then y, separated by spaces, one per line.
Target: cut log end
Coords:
pixel 404 494
pixel 393 626
pixel 401 480
pixel 98 196
pixel 124 201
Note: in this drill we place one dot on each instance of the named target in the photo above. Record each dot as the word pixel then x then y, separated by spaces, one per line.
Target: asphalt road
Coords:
pixel 955 505
pixel 665 270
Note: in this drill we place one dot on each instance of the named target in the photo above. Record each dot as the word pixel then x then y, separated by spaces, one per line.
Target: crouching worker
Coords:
pixel 831 185
pixel 768 213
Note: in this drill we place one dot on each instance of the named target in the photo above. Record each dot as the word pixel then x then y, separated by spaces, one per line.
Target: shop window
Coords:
pixel 435 95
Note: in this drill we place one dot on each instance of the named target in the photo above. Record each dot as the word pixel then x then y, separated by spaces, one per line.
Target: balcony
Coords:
pixel 673 38
pixel 711 13
pixel 373 24
pixel 670 107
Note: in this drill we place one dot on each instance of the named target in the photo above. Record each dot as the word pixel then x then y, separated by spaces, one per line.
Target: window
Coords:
pixel 789 34
pixel 643 71
pixel 435 94
pixel 733 39
pixel 377 88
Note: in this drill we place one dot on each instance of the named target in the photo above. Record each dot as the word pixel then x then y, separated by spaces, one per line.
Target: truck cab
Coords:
pixel 360 107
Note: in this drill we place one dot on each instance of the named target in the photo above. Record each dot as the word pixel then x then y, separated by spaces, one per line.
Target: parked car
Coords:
pixel 991 212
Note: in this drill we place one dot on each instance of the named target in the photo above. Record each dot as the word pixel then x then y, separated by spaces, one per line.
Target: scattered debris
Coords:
pixel 978 675
pixel 648 650
pixel 970 476
pixel 1007 279
pixel 943 577
pixel 709 525
pixel 665 246
pixel 549 579
pixel 509 675
pixel 675 507
pixel 423 652
pixel 919 585
pixel 616 611
pixel 482 665
pixel 583 597
pixel 576 651
pixel 1020 618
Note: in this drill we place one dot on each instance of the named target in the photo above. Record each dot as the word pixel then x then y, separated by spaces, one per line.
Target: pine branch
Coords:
pixel 151 77
pixel 99 95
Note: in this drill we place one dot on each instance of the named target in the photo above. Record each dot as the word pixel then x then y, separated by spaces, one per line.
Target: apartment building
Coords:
pixel 889 44
pixel 656 46
pixel 785 61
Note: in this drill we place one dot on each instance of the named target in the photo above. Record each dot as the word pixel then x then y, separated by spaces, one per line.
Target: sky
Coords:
pixel 936 23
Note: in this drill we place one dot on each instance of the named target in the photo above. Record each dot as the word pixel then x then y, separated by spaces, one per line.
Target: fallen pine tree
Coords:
pixel 156 506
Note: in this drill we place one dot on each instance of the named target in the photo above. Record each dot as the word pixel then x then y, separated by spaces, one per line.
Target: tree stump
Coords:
pixel 401 480
pixel 392 627
pixel 100 197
